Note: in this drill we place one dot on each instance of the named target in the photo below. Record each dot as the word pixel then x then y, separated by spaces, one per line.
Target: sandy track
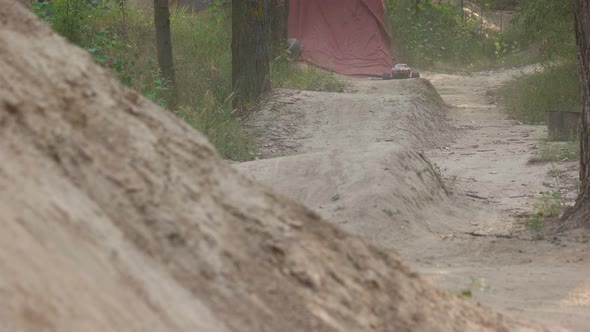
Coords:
pixel 351 157
pixel 546 280
pixel 355 159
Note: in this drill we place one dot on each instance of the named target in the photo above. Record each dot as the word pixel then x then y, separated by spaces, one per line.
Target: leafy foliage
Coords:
pixel 77 20
pixel 121 38
pixel 555 87
pixel 287 74
pixel 427 32
pixel 550 204
pixel 550 23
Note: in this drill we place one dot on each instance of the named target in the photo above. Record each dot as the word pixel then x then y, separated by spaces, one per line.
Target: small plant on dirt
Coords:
pixel 475 284
pixel 550 204
pixel 557 151
pixel 389 212
pixel 555 172
pixel 466 293
pixel 480 284
pixel 155 90
pixel 534 222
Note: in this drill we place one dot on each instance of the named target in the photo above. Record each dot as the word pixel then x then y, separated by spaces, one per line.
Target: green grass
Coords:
pixel 528 97
pixel 123 39
pixel 558 151
pixel 287 74
pixel 550 204
pixel 511 60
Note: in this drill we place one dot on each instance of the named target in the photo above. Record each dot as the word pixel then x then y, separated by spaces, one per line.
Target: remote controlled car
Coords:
pixel 401 70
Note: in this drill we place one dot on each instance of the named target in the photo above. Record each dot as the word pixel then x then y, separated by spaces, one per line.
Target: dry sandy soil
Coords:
pixel 117 216
pixel 441 181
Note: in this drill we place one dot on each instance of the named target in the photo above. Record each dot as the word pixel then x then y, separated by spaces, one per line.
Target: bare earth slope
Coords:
pixel 546 279
pixel 357 160
pixel 350 157
pixel 116 216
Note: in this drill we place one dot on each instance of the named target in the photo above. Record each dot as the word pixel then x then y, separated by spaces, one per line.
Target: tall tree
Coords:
pixel 164 44
pixel 250 50
pixel 279 15
pixel 580 214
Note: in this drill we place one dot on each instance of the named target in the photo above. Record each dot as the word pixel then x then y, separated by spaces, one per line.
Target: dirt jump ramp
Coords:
pixel 355 158
pixel 382 191
pixel 117 216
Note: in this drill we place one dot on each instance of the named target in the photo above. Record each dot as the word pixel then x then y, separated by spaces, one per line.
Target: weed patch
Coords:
pixel 122 38
pixel 476 284
pixel 557 151
pixel 550 204
pixel 528 97
pixel 287 74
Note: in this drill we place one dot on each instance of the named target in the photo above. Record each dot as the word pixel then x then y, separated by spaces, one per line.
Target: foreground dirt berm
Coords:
pixel 116 216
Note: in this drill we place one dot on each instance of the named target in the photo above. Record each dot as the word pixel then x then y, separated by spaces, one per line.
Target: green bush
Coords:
pixel 550 204
pixel 555 87
pixel 548 23
pixel 427 32
pixel 122 38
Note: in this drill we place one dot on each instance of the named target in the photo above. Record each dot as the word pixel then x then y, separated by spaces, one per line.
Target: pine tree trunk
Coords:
pixel 250 50
pixel 580 214
pixel 278 26
pixel 164 41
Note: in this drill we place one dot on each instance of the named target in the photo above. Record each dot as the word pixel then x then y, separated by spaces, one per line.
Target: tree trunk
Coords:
pixel 250 50
pixel 164 46
pixel 580 214
pixel 279 16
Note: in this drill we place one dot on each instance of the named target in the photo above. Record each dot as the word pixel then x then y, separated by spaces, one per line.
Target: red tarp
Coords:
pixel 346 36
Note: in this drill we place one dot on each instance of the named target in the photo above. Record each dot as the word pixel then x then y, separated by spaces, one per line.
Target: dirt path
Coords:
pixel 491 159
pixel 489 164
pixel 357 159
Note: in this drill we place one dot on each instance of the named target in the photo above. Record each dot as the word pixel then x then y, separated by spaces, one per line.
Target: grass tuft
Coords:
pixel 528 97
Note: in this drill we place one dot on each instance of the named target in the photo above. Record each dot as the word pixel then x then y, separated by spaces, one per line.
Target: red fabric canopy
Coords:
pixel 346 36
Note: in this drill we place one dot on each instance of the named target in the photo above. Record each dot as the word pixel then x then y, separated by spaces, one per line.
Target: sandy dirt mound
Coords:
pixel 382 191
pixel 298 122
pixel 119 217
pixel 354 158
